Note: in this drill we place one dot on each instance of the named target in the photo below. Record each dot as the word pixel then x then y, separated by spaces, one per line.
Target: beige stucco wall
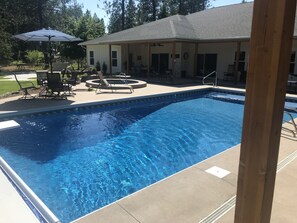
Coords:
pixel 101 54
pixel 225 55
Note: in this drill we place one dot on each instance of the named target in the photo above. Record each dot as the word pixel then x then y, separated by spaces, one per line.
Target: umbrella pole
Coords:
pixel 50 54
pixel 50 62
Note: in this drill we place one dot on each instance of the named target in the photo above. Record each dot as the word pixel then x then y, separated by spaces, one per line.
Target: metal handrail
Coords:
pixel 216 78
pixel 292 122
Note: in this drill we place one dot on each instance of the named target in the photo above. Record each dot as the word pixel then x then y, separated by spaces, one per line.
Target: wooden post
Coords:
pixel 271 45
pixel 195 59
pixel 173 60
pixel 110 59
pixel 128 59
pixel 237 62
pixel 148 59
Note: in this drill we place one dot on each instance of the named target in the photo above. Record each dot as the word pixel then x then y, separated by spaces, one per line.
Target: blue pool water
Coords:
pixel 81 160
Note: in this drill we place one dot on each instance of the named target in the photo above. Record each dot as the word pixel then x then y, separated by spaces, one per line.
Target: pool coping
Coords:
pixel 38 208
pixel 92 103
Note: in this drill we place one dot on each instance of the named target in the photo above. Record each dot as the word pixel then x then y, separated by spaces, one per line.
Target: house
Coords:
pixel 194 45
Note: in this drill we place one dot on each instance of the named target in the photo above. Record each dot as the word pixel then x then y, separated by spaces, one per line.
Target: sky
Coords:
pixel 91 5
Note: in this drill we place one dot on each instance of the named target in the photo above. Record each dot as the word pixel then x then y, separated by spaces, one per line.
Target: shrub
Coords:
pixel 98 66
pixel 35 56
pixel 104 67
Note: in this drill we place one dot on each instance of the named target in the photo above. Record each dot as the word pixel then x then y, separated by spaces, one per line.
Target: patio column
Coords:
pixel 173 59
pixel 195 59
pixel 237 61
pixel 110 59
pixel 128 58
pixel 148 59
pixel 271 45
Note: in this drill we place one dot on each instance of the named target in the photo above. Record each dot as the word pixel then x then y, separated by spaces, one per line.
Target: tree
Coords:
pixel 87 27
pixel 186 7
pixel 163 10
pixel 130 15
pixel 147 10
pixel 115 20
pixel 116 10
pixel 122 14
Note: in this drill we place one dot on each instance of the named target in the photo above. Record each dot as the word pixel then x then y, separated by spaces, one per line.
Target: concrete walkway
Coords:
pixel 28 76
pixel 12 206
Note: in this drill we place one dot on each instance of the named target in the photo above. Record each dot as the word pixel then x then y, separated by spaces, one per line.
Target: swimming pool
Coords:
pixel 80 160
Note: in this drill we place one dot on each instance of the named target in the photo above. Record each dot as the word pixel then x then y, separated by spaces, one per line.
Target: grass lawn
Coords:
pixel 12 86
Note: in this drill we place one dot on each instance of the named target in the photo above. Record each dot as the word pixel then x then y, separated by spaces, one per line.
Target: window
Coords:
pixel 292 63
pixel 92 59
pixel 241 62
pixel 206 63
pixel 114 58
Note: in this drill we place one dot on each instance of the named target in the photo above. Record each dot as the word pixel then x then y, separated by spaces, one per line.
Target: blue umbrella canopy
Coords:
pixel 46 35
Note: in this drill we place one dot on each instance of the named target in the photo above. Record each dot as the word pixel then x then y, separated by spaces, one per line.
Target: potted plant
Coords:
pixel 104 68
pixel 98 66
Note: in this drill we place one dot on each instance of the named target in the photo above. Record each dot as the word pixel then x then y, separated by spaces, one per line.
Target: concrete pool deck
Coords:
pixel 188 196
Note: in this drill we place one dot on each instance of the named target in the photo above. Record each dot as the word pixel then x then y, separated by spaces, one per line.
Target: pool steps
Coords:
pixel 10 124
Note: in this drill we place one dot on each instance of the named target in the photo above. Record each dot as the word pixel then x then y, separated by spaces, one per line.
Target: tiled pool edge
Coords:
pixel 104 103
pixel 112 102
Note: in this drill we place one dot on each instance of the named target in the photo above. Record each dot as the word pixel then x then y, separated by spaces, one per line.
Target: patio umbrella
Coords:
pixel 47 35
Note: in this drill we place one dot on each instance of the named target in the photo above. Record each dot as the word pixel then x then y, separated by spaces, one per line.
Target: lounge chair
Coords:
pixel 104 84
pixel 55 85
pixel 25 89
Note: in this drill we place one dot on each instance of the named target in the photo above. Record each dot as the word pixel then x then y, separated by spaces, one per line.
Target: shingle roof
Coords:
pixel 227 22
pixel 168 28
pixel 222 23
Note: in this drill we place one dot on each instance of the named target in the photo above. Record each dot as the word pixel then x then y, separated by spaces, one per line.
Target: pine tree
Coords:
pixel 185 7
pixel 148 10
pixel 163 10
pixel 130 20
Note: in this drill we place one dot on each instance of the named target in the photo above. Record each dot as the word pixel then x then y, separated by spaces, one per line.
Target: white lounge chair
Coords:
pixel 104 84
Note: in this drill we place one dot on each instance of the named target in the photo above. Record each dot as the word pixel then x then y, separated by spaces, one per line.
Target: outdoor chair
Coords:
pixel 73 79
pixel 104 84
pixel 229 75
pixel 55 85
pixel 41 77
pixel 72 76
pixel 25 89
